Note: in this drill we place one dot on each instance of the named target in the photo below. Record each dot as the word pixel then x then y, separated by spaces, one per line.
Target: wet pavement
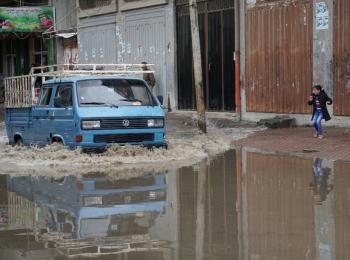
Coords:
pixel 244 204
pixel 300 141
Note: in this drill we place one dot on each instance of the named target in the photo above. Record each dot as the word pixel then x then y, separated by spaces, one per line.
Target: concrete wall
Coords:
pixel 66 14
pixel 133 36
pixel 104 9
pixel 66 21
pixel 97 40
pixel 148 34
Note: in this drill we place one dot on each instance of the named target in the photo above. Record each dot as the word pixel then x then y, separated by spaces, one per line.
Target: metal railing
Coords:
pixel 19 90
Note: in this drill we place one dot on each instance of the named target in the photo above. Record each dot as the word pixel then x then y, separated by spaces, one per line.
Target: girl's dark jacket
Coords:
pixel 324 100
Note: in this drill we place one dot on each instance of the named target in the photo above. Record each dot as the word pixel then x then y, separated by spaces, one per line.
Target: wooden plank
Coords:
pixel 21 92
pixel 5 89
pixel 18 91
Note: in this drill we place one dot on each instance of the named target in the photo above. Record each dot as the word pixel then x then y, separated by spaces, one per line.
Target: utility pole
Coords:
pixel 200 216
pixel 197 64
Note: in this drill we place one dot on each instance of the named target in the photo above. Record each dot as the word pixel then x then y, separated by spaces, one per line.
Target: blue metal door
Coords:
pixel 63 114
pixel 41 127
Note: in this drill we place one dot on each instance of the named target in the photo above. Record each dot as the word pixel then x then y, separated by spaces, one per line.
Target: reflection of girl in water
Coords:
pixel 320 185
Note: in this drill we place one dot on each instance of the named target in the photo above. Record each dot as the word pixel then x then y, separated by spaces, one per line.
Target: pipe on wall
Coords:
pixel 237 59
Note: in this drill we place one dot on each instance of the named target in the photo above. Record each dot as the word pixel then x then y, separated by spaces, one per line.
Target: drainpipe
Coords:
pixel 238 83
pixel 237 59
pixel 51 53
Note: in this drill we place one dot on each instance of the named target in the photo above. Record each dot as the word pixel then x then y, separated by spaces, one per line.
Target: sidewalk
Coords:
pixel 335 145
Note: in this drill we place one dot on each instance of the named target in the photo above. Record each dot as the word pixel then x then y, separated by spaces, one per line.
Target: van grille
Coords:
pixel 124 184
pixel 117 123
pixel 123 138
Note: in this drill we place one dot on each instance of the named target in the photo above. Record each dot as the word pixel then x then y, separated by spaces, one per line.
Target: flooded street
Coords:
pixel 241 205
pixel 185 147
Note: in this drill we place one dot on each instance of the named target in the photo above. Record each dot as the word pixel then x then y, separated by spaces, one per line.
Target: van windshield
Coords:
pixel 114 92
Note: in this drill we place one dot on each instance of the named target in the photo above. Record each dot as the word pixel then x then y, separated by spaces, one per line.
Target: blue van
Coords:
pixel 89 112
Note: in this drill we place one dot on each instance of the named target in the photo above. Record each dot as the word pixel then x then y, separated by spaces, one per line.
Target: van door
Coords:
pixel 40 131
pixel 63 114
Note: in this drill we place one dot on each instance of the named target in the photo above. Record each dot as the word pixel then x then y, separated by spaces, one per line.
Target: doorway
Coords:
pixel 217 35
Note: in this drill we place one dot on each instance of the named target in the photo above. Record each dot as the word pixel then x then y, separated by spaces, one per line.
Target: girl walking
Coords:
pixel 319 100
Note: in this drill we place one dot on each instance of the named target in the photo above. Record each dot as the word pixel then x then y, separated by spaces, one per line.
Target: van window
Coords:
pixel 115 92
pixel 65 94
pixel 45 97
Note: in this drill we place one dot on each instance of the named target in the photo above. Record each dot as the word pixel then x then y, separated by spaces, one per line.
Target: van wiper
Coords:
pixel 92 103
pixel 131 100
pixel 99 103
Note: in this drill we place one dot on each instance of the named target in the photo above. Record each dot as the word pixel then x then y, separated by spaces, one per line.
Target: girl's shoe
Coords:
pixel 316 135
pixel 320 137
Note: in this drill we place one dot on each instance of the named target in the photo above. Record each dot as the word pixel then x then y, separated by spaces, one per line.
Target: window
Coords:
pixel 64 95
pixel 45 97
pixel 135 4
pixel 90 4
pixel 114 92
pixel 40 53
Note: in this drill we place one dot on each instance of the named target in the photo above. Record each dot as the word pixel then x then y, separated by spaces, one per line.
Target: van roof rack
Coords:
pixel 20 93
pixel 67 70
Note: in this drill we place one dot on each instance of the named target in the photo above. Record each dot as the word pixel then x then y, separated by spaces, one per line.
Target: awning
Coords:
pixel 66 35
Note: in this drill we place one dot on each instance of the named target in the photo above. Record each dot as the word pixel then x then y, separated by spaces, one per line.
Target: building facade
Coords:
pixel 217 37
pixel 278 49
pixel 22 47
pixel 111 31
pixel 288 46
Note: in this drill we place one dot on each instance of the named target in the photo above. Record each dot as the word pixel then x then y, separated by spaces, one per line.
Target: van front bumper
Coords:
pixel 102 138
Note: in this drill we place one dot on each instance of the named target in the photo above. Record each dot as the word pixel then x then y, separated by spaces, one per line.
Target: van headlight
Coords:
pixel 89 124
pixel 155 123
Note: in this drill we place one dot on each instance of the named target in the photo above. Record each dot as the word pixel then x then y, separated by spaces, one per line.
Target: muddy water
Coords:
pixel 186 147
pixel 241 205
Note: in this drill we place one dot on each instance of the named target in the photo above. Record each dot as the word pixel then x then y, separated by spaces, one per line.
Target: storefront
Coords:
pixel 23 43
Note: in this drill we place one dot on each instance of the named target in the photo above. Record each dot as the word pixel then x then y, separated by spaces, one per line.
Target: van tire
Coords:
pixel 57 140
pixel 18 140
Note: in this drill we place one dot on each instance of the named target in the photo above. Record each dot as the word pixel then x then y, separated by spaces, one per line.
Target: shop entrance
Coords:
pixel 216 25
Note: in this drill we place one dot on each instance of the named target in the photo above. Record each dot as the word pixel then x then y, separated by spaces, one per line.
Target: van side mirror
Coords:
pixel 58 102
pixel 160 99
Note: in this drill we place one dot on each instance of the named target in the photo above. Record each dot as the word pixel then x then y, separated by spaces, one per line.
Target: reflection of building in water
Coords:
pixel 342 209
pixel 320 185
pixel 219 228
pixel 175 216
pixel 278 218
pixel 91 216
pixel 191 214
pixel 278 213
pixel 3 201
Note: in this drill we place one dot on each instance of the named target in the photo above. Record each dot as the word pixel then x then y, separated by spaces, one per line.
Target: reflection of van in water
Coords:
pixel 89 111
pixel 97 207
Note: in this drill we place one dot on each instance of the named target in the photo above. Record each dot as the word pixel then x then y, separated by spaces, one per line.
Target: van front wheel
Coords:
pixel 18 140
pixel 57 141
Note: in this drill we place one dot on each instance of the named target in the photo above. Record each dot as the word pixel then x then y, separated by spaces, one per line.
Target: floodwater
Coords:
pixel 241 205
pixel 186 147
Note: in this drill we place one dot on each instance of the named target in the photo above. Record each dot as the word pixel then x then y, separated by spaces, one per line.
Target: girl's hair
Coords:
pixel 318 87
